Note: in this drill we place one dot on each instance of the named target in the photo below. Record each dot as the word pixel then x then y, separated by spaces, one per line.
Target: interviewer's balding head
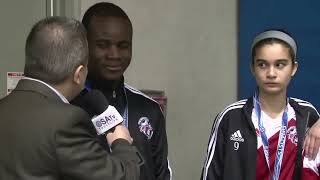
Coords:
pixel 55 47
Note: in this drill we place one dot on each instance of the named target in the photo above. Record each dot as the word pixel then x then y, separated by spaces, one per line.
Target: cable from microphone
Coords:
pixel 107 116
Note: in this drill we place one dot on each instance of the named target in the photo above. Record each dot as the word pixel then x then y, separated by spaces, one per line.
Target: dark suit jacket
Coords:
pixel 43 138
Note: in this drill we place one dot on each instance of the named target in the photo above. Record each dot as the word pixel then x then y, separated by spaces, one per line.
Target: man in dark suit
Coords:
pixel 42 136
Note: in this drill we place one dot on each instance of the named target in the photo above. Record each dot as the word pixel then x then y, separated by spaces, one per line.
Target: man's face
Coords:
pixel 110 50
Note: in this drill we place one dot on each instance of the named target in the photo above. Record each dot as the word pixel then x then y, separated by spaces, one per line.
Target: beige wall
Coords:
pixel 189 49
pixel 17 18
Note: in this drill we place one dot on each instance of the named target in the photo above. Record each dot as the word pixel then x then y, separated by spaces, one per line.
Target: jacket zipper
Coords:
pixel 114 95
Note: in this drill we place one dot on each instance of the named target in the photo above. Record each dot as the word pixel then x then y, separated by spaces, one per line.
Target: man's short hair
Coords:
pixel 103 9
pixel 55 47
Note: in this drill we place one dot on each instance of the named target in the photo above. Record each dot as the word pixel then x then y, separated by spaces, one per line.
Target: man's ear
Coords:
pixel 80 74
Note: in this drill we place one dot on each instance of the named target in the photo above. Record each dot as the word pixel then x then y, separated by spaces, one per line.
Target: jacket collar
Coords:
pixel 29 85
pixel 247 110
pixel 114 91
pixel 299 110
pixel 105 85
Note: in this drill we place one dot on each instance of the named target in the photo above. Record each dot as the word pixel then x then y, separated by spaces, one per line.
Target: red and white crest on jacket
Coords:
pixel 145 127
pixel 292 135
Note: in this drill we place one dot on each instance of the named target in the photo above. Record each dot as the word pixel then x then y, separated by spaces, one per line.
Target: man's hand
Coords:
pixel 312 141
pixel 120 132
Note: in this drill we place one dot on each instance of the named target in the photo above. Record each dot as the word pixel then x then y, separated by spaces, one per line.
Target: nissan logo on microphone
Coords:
pixel 107 120
pixel 98 124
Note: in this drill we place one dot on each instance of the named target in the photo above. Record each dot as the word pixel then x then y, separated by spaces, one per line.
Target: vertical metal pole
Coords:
pixel 49 8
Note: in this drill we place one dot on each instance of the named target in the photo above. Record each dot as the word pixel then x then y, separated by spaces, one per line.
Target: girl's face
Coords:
pixel 273 68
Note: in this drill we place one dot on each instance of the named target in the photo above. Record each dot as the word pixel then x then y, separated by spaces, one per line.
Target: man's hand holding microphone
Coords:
pixel 107 121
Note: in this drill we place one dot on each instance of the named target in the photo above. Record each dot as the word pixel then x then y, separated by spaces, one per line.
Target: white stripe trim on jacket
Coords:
pixel 214 132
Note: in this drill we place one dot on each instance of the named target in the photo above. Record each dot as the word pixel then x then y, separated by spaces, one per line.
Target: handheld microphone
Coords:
pixel 106 116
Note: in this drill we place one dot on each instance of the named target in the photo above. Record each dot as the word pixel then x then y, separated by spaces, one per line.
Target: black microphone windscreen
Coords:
pixel 96 101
